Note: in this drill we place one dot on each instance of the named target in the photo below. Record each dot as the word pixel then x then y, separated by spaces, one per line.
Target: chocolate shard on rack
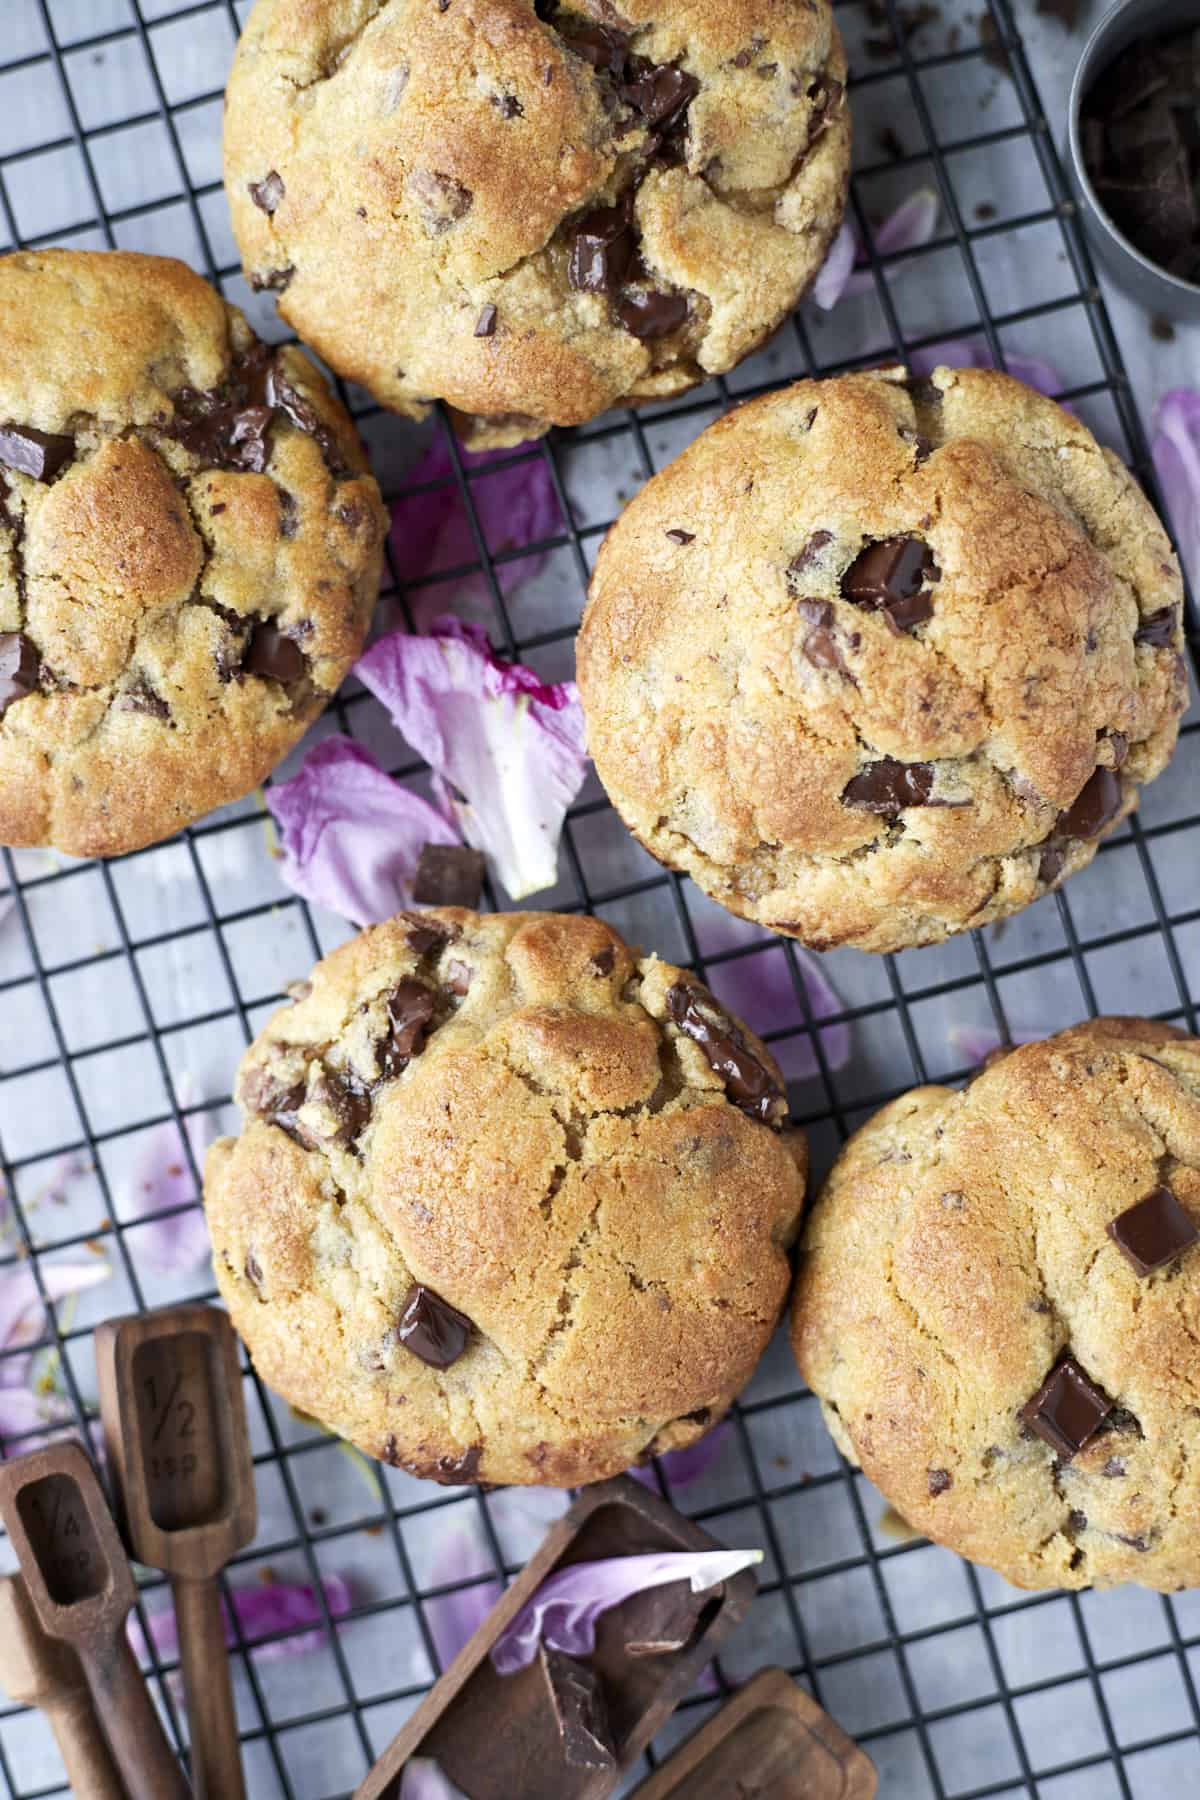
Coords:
pixel 448 875
pixel 889 786
pixel 38 454
pixel 894 577
pixel 580 1709
pixel 1095 806
pixel 749 1085
pixel 19 668
pixel 500 1737
pixel 1067 1409
pixel 431 1328
pixel 1154 1231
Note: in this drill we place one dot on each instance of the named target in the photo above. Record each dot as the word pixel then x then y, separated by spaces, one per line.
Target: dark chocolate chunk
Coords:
pixel 826 95
pixel 659 1621
pixel 19 666
pixel 140 697
pixel 1154 1231
pixel 267 193
pixel 441 201
pixel 431 1328
pixel 602 247
pixel 272 654
pixel 346 1099
pixel 749 1084
pixel 658 91
pixel 810 554
pixel 681 537
pixel 1096 804
pixel 597 44
pixel 485 324
pixel 39 454
pixel 580 1710
pixel 648 313
pixel 894 575
pixel 228 426
pixel 284 395
pixel 1159 628
pixel 410 1008
pixel 1120 747
pixel 604 960
pixel 939 1480
pixel 820 646
pixel 448 875
pixel 273 281
pixel 1050 864
pixel 889 786
pixel 1067 1409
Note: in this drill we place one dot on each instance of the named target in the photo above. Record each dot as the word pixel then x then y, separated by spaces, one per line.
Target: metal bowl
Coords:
pixel 1153 287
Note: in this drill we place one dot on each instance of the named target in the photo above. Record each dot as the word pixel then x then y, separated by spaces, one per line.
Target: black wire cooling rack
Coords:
pixel 958 1686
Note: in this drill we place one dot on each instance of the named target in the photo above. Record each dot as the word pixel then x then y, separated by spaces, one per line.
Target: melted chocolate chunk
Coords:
pixel 939 1481
pixel 1067 1409
pixel 1097 803
pixel 485 324
pixel 38 454
pixel 597 44
pixel 441 201
pixel 272 281
pixel 141 698
pixel 1050 864
pixel 811 552
pixel 267 193
pixel 894 576
pixel 228 426
pixel 1158 629
pixel 604 960
pixel 432 1329
pixel 19 667
pixel 347 1099
pixel 658 91
pixel 1153 1232
pixel 448 875
pixel 410 1008
pixel 820 646
pixel 602 247
pixel 889 786
pixel 270 653
pixel 286 397
pixel 681 537
pixel 825 94
pixel 748 1083
pixel 580 1710
pixel 647 313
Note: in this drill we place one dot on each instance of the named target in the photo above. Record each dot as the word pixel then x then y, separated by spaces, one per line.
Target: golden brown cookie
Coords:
pixel 999 1306
pixel 190 546
pixel 535 212
pixel 875 661
pixel 512 1202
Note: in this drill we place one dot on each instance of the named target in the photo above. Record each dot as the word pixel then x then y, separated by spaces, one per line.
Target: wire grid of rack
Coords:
pixel 958 1685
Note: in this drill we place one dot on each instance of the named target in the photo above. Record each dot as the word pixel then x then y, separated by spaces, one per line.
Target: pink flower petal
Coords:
pixel 1176 450
pixel 760 989
pixel 912 224
pixel 422 1779
pixel 566 1606
pixel 24 1413
pixel 454 1618
pixel 351 836
pixel 162 1180
pixel 973 353
pixel 431 531
pixel 835 270
pixel 22 1314
pixel 493 732
pixel 976 1043
pixel 682 1467
pixel 262 1611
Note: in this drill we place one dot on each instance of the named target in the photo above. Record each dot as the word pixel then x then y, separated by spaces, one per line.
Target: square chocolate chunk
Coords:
pixel 448 875
pixel 1153 1231
pixel 1067 1409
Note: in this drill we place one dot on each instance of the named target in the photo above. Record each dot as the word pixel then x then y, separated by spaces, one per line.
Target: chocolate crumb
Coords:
pixel 485 324
pixel 681 537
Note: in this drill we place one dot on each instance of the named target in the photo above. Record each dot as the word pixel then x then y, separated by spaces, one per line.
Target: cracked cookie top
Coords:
pixel 190 547
pixel 877 660
pixel 999 1306
pixel 511 1201
pixel 535 211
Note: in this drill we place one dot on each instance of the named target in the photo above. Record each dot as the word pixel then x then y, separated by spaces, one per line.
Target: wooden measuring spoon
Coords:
pixel 179 1455
pixel 81 1589
pixel 37 1671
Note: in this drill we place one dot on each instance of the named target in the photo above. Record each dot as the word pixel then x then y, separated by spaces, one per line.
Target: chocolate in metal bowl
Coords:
pixel 1141 277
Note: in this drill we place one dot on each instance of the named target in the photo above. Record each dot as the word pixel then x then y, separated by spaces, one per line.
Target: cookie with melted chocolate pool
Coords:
pixel 878 660
pixel 190 545
pixel 511 1202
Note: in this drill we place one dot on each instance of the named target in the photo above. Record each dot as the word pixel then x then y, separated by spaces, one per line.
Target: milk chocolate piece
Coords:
pixel 410 1008
pixel 1154 1231
pixel 448 875
pixel 770 1742
pixel 580 1709
pixel 431 1328
pixel 889 786
pixel 38 454
pixel 267 193
pixel 497 1736
pixel 1067 1409
pixel 888 572
pixel 749 1085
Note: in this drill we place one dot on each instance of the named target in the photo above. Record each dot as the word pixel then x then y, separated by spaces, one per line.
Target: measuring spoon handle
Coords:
pixel 149 1767
pixel 212 1720
pixel 85 1754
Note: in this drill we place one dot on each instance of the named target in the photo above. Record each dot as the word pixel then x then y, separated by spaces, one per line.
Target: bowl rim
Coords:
pixel 1086 71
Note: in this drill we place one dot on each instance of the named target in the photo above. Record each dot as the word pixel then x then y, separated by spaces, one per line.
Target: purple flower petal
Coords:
pixel 565 1608
pixel 973 353
pixel 1176 451
pixel 511 744
pixel 760 989
pixel 422 1779
pixel 976 1043
pixel 455 1617
pixel 24 1413
pixel 835 270
pixel 22 1314
pixel 682 1467
pixel 351 836
pixel 262 1611
pixel 432 532
pixel 162 1180
pixel 912 224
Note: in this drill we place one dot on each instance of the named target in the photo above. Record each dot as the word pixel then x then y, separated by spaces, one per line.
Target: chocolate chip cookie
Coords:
pixel 535 210
pixel 190 547
pixel 878 660
pixel 999 1305
pixel 512 1202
